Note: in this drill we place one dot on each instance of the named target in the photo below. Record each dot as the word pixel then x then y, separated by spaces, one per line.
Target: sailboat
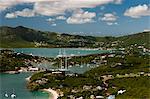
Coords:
pixel 6 95
pixel 81 66
pixel 60 53
pixel 13 95
pixel 31 54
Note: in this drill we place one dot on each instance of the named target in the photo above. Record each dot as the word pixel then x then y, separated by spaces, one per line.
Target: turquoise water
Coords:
pixel 17 82
pixel 53 52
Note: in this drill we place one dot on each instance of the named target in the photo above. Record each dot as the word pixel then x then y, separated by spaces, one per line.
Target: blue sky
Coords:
pixel 85 17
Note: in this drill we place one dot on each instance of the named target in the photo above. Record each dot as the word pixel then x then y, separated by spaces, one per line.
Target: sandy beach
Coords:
pixel 52 92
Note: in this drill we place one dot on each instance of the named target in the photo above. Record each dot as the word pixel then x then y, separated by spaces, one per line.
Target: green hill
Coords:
pixel 139 38
pixel 25 37
pixel 19 36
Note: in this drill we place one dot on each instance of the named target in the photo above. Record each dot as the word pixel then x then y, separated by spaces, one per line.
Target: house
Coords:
pixel 74 90
pixel 80 97
pixel 85 87
pixel 99 88
pixel 121 91
pixel 99 97
pixel 140 47
pixel 69 73
pixel 111 97
pixel 92 97
pixel 40 81
pixel 107 77
pixel 122 49
pixel 111 55
pixel 33 68
pixel 56 72
pixel 104 56
pixel 71 97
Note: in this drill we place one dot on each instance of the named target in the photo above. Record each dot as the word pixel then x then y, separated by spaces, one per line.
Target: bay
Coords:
pixel 17 82
pixel 53 52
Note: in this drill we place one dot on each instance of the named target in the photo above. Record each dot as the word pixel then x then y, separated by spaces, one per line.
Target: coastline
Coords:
pixel 52 93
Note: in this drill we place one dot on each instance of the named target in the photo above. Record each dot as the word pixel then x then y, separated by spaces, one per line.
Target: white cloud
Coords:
pixel 146 30
pixel 54 24
pixel 11 15
pixel 61 18
pixel 109 18
pixel 111 23
pixel 49 8
pixel 50 20
pixel 5 4
pixel 118 1
pixel 102 7
pixel 24 13
pixel 138 11
pixel 55 7
pixel 81 17
pixel 60 7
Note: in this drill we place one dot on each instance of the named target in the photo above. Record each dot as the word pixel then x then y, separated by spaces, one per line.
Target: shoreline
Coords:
pixel 52 93
pixel 16 72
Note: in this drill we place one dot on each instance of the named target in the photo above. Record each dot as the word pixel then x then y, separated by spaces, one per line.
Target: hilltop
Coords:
pixel 20 36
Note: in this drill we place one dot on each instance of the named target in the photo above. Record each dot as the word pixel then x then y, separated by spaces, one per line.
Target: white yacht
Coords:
pixel 13 96
pixel 6 95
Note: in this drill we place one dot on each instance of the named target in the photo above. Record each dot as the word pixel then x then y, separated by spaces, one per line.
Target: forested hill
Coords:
pixel 25 37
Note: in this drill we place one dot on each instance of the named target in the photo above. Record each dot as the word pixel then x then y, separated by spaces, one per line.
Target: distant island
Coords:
pixel 23 37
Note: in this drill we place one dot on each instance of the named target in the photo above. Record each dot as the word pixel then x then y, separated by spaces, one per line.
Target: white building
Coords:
pixel 33 68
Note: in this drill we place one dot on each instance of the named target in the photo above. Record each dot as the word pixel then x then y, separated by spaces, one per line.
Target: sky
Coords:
pixel 83 17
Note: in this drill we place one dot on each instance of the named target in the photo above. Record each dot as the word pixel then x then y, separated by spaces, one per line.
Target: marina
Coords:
pixel 54 52
pixel 17 82
pixel 13 86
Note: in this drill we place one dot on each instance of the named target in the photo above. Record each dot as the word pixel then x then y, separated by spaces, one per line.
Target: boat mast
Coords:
pixel 60 53
pixel 65 55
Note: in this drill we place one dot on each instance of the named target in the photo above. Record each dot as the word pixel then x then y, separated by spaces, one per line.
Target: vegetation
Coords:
pixel 130 60
pixel 136 88
pixel 8 63
pixel 134 63
pixel 57 80
pixel 12 61
pixel 129 64
pixel 20 36
pixel 140 39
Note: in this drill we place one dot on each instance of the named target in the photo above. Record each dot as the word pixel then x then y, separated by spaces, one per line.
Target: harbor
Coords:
pixel 15 82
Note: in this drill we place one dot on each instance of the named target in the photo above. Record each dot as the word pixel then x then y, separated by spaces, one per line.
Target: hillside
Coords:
pixel 139 38
pixel 19 37
pixel 25 37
